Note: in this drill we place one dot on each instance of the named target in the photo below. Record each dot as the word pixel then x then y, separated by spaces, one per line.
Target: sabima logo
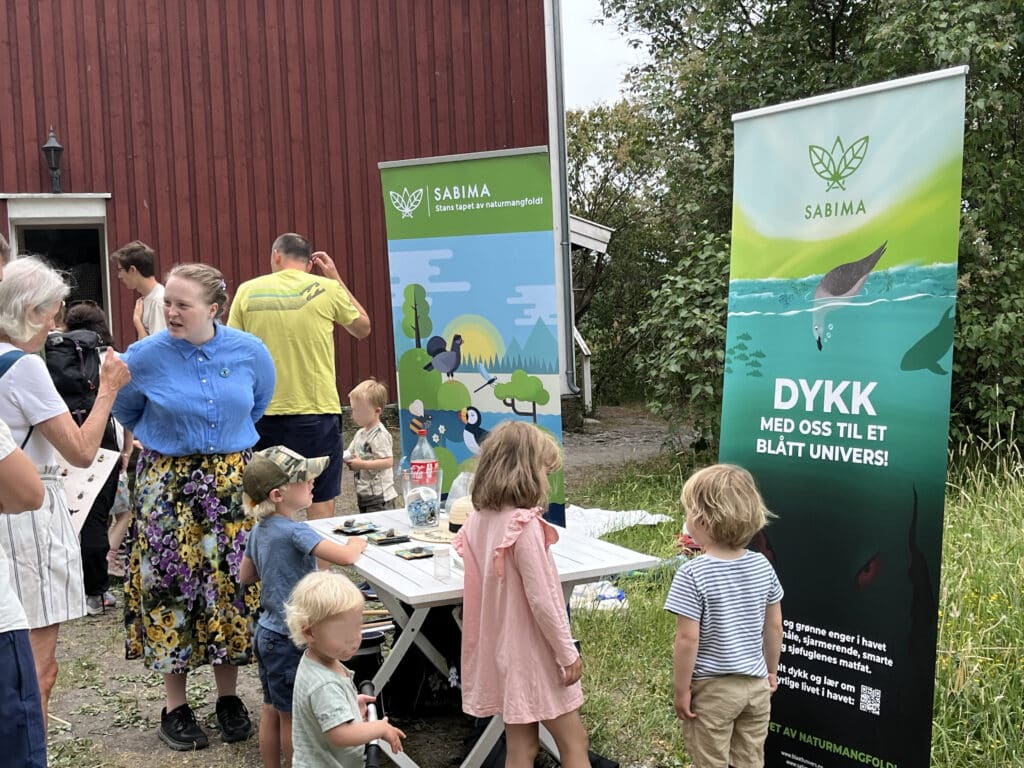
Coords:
pixel 838 164
pixel 406 202
pixel 461 192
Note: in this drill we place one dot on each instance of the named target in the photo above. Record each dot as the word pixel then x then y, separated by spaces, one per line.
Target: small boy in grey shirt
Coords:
pixel 325 614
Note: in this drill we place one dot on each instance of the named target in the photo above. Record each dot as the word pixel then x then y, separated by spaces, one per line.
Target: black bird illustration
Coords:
pixel 442 359
pixel 474 434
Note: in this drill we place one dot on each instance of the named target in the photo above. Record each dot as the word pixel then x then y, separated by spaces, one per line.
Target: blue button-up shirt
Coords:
pixel 185 399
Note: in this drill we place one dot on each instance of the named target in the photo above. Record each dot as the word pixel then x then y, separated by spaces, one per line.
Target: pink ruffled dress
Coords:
pixel 515 635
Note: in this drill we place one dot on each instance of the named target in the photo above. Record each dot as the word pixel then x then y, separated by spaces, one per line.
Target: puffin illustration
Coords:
pixel 474 434
pixel 442 359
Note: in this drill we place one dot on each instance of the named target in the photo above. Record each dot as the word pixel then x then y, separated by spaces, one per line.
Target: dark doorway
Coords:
pixel 77 252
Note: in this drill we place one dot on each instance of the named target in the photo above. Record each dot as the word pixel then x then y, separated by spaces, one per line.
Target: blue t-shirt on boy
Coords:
pixel 280 549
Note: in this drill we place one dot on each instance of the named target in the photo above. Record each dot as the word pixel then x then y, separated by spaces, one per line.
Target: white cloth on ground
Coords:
pixel 599 522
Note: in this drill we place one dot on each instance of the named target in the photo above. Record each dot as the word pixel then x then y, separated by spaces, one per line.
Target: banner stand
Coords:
pixel 842 301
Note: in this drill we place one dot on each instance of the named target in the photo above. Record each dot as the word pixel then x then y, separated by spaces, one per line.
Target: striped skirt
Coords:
pixel 184 605
pixel 46 560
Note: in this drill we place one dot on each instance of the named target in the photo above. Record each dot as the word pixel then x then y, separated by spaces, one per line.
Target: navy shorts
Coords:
pixel 278 659
pixel 21 711
pixel 310 435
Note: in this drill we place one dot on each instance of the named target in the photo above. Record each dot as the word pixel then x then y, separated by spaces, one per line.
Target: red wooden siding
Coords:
pixel 217 125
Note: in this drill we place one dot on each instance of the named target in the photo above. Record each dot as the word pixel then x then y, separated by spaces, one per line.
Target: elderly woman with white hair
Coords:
pixel 46 562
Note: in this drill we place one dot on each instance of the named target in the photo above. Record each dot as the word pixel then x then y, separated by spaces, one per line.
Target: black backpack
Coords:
pixel 74 362
pixel 73 359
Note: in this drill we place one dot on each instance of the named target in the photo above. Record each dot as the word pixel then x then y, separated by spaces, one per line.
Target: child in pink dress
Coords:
pixel 518 657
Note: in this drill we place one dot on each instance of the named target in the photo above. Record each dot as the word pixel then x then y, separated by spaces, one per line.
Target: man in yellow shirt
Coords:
pixel 294 311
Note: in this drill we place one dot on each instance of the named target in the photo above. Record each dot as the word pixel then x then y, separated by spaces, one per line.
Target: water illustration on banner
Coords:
pixel 474 301
pixel 842 301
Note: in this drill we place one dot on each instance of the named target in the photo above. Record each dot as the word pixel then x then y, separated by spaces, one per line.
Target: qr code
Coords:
pixel 870 699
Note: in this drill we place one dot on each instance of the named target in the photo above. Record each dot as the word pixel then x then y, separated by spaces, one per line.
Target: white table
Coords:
pixel 579 559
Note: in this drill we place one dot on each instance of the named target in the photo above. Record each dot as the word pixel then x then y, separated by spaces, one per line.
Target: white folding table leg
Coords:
pixel 548 742
pixel 485 743
pixel 411 630
pixel 400 759
pixel 400 648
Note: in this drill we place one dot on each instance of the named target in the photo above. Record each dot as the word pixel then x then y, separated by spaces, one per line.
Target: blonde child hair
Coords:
pixel 371 392
pixel 318 596
pixel 260 511
pixel 725 501
pixel 514 464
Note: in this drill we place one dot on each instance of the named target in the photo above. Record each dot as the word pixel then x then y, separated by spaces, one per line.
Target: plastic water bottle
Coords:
pixel 422 486
pixel 423 461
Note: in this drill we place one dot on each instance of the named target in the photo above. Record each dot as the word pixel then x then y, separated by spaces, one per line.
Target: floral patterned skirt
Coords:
pixel 184 605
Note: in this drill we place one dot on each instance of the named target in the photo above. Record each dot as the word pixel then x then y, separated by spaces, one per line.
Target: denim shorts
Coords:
pixel 310 435
pixel 21 711
pixel 278 659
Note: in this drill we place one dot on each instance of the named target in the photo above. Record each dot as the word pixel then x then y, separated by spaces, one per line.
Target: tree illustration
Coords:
pixel 453 396
pixel 417 384
pixel 416 313
pixel 526 388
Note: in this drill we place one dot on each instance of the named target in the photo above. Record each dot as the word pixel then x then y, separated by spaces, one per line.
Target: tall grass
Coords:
pixel 980 665
pixel 979 693
pixel 627 654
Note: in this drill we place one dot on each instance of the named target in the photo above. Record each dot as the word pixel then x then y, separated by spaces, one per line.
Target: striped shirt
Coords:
pixel 729 599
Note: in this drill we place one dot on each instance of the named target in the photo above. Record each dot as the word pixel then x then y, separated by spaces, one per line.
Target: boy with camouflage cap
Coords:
pixel 278 482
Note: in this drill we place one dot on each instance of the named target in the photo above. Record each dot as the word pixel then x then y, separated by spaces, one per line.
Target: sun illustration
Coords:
pixel 480 339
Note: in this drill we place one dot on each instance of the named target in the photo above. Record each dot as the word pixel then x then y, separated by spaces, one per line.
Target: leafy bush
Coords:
pixel 712 58
pixel 988 369
pixel 680 339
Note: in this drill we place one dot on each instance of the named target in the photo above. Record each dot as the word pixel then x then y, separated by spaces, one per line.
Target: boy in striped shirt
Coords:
pixel 727 603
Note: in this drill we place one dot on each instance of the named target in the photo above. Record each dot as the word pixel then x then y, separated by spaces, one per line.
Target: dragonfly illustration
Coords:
pixel 488 379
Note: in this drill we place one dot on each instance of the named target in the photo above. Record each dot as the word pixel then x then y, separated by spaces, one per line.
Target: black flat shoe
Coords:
pixel 180 731
pixel 233 718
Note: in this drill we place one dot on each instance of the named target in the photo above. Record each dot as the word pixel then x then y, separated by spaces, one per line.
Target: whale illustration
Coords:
pixel 932 347
pixel 842 282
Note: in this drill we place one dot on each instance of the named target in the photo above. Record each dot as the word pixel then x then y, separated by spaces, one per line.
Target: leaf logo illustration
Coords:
pixel 406 202
pixel 838 164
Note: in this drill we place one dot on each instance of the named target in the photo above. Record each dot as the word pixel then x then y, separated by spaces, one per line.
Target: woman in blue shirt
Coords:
pixel 197 389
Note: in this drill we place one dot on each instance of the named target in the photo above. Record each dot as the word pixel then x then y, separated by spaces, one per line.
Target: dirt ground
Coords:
pixel 105 710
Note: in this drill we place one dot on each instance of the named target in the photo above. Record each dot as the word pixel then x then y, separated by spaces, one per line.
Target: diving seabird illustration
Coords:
pixel 843 282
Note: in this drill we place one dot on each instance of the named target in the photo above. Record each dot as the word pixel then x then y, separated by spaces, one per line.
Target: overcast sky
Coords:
pixel 595 56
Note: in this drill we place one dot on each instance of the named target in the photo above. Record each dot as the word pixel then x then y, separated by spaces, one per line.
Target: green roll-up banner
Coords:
pixel 842 300
pixel 475 301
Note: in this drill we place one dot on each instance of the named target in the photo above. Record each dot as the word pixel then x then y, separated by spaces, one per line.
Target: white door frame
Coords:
pixel 60 211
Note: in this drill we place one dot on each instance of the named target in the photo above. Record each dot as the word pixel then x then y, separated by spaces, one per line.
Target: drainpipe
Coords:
pixel 556 143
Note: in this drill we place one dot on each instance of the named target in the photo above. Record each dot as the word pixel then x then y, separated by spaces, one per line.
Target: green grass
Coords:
pixel 980 666
pixel 980 663
pixel 627 654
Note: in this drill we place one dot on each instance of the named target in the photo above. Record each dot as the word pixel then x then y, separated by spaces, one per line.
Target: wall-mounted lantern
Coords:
pixel 52 151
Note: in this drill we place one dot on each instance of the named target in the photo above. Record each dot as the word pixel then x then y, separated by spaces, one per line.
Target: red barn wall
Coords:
pixel 217 125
